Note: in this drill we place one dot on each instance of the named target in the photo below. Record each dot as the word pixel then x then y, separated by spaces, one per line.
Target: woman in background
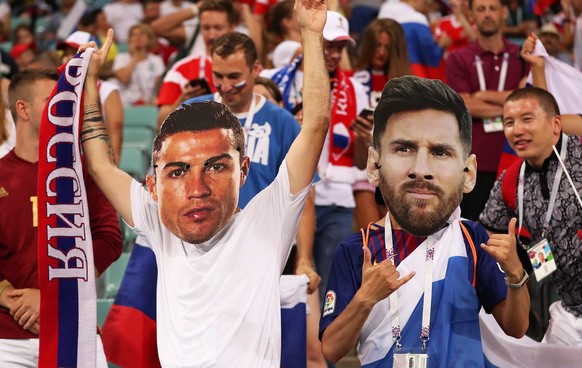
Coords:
pixel 138 71
pixel 383 54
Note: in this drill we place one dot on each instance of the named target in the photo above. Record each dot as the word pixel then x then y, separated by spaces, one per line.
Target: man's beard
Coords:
pixel 403 208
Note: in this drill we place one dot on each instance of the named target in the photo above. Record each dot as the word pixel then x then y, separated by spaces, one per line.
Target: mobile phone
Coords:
pixel 367 113
pixel 200 83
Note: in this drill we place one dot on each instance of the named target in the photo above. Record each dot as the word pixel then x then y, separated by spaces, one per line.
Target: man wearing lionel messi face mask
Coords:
pixel 269 130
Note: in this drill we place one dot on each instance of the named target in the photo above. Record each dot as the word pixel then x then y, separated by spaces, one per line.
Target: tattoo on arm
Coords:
pixel 93 128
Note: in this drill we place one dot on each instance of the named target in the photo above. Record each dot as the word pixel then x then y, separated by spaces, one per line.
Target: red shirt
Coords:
pixel 18 232
pixel 449 26
pixel 181 73
pixel 462 77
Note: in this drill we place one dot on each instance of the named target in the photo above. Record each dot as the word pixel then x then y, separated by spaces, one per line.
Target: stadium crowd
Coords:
pixel 505 74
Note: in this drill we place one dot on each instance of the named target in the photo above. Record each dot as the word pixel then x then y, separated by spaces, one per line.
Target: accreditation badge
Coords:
pixel 493 125
pixel 410 358
pixel 542 259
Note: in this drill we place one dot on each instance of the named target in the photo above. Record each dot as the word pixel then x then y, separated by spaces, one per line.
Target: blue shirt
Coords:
pixel 272 131
pixel 454 336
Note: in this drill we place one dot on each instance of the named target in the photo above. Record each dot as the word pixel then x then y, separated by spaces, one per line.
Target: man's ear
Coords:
pixel 151 184
pixel 557 125
pixel 21 111
pixel 470 173
pixel 373 166
pixel 256 68
pixel 244 170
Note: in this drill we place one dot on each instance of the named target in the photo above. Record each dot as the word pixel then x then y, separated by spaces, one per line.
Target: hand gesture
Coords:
pixel 380 280
pixel 26 307
pixel 502 247
pixel 99 57
pixel 311 14
pixel 527 52
pixel 307 269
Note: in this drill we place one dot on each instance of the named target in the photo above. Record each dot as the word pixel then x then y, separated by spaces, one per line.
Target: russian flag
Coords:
pixel 129 332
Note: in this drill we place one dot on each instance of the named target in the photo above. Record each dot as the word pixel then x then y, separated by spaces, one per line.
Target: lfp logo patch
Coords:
pixel 329 304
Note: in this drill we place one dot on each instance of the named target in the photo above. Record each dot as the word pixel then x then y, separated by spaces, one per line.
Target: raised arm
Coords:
pixel 306 149
pixel 112 181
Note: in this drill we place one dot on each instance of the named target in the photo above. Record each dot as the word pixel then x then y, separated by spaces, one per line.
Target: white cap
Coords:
pixel 337 28
pixel 284 52
pixel 551 29
pixel 76 39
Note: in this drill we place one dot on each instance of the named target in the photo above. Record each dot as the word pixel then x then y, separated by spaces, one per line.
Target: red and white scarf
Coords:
pixel 341 142
pixel 65 252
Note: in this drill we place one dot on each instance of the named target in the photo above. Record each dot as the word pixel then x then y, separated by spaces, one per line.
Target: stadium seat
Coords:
pixel 6 46
pixel 114 274
pixel 141 116
pixel 134 161
pixel 15 21
pixel 140 136
pixel 103 306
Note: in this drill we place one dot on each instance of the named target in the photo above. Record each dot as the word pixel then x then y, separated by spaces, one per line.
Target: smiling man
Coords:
pixel 532 125
pixel 218 267
pixel 421 162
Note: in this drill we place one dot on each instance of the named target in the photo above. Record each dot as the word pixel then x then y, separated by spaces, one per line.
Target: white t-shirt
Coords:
pixel 218 303
pixel 142 85
pixel 122 16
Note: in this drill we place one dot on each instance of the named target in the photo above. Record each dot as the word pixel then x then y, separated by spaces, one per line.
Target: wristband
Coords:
pixel 519 284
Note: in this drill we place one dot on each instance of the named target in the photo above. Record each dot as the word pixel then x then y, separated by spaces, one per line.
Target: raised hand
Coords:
pixel 380 280
pixel 502 247
pixel 26 308
pixel 311 14
pixel 527 52
pixel 99 57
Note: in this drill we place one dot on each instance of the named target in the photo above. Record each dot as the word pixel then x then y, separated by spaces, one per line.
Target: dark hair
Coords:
pixel 546 100
pixel 502 2
pixel 232 42
pixel 398 63
pixel 410 93
pixel 22 85
pixel 281 10
pixel 270 86
pixel 219 6
pixel 16 30
pixel 199 117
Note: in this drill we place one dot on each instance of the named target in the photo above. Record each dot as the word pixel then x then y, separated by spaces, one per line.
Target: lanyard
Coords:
pixel 393 298
pixel 502 74
pixel 554 194
pixel 250 113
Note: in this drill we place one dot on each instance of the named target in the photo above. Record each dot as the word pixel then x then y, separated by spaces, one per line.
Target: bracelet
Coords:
pixel 519 284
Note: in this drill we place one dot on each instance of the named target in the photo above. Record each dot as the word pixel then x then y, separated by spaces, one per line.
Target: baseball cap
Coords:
pixel 283 53
pixel 550 28
pixel 337 28
pixel 18 49
pixel 76 39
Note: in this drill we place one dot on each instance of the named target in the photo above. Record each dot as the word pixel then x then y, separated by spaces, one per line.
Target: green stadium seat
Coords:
pixel 114 274
pixel 122 47
pixel 134 161
pixel 6 46
pixel 15 21
pixel 140 136
pixel 141 116
pixel 103 307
